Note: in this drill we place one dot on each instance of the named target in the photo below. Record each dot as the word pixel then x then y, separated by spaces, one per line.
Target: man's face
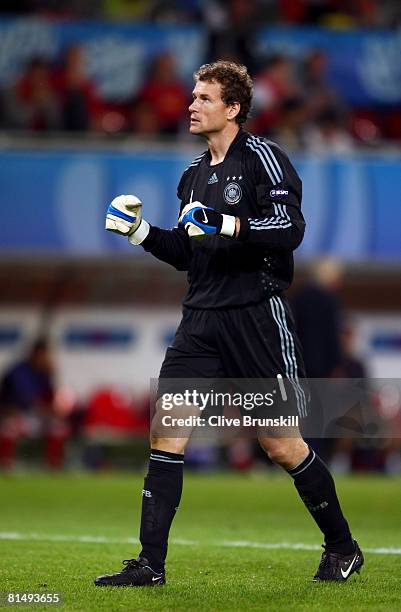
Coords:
pixel 209 114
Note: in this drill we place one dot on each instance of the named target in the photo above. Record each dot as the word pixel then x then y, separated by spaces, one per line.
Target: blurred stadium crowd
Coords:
pixel 44 424
pixel 294 102
pixel 332 13
pixel 48 420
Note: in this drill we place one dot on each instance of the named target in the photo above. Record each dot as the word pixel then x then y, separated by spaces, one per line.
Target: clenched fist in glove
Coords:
pixel 201 221
pixel 124 216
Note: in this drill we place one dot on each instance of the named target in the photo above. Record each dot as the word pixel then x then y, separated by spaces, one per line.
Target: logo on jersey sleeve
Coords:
pixel 232 192
pixel 275 193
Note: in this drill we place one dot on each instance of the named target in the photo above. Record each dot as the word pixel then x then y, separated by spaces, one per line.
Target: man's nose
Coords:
pixel 191 107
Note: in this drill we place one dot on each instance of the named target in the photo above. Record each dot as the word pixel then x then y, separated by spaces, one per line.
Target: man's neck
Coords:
pixel 220 142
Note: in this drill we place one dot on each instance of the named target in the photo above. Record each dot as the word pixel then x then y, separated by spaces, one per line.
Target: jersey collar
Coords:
pixel 238 138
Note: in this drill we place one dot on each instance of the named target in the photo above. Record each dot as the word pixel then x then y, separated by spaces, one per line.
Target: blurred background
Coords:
pixel 93 103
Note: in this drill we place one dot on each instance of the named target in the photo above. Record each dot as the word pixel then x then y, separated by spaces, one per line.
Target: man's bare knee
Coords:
pixel 170 445
pixel 287 452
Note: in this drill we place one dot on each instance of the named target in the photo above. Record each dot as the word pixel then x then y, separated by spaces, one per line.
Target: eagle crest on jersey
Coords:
pixel 232 193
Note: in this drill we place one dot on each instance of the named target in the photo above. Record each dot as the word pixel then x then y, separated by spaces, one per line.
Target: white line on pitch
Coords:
pixel 12 535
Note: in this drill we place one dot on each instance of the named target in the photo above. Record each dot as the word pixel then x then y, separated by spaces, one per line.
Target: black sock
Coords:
pixel 160 499
pixel 316 488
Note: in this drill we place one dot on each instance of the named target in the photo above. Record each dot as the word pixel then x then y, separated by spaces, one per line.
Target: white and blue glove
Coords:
pixel 124 216
pixel 201 221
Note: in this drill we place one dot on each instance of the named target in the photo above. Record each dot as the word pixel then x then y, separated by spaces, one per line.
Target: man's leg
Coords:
pixel 192 355
pixel 316 488
pixel 161 497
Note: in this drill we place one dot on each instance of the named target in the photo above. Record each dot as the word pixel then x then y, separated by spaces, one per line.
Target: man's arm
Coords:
pixel 278 194
pixel 281 227
pixel 171 246
pixel 124 216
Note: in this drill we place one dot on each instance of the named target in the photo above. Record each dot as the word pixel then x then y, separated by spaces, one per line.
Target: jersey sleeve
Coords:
pixel 171 246
pixel 279 223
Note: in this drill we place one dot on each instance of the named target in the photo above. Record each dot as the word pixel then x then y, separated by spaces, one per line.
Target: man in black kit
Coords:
pixel 240 220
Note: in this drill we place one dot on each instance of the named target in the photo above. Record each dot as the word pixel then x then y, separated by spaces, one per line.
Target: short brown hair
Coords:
pixel 236 84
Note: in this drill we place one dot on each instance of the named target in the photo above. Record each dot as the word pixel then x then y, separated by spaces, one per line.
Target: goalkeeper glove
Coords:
pixel 201 221
pixel 124 216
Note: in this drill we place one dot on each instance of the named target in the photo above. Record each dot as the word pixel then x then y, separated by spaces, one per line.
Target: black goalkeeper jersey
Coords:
pixel 257 183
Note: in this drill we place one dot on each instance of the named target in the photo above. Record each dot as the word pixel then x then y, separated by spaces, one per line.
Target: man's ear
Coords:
pixel 233 110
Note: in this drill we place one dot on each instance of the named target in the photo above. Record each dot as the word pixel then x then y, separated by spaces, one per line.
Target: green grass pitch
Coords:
pixel 59 531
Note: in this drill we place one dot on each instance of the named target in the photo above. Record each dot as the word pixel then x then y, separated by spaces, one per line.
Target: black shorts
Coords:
pixel 255 341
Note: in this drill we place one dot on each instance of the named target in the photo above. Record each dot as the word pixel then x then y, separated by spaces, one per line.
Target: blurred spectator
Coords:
pixel 164 95
pixel 366 126
pixel 80 103
pixel 27 407
pixel 340 13
pixel 317 312
pixel 232 28
pixel 319 94
pixel 32 103
pixel 292 11
pixel 326 109
pixel 145 121
pixel 333 13
pixel 16 8
pixel 53 8
pixel 328 134
pixel 112 413
pixel 363 453
pixel 291 124
pixel 125 9
pixel 349 365
pixel 179 11
pixel 30 382
pixel 112 417
pixel 274 84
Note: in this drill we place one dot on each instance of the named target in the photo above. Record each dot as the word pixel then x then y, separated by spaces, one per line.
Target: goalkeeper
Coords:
pixel 240 221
